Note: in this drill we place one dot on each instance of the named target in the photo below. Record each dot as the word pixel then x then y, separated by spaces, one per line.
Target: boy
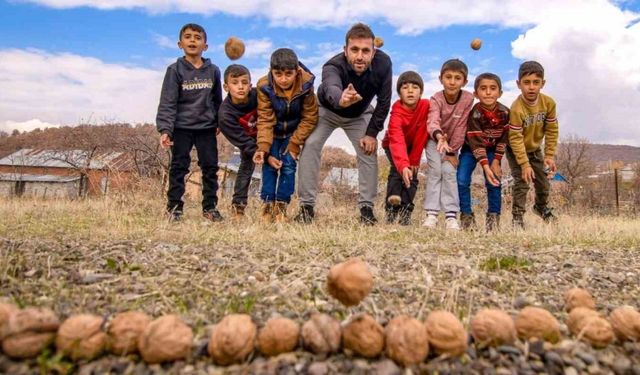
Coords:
pixel 532 120
pixel 287 113
pixel 238 115
pixel 447 126
pixel 486 142
pixel 403 143
pixel 187 116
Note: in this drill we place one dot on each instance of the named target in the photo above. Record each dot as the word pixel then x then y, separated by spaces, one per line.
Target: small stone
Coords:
pixel 621 365
pixel 554 358
pixel 537 366
pixel 537 347
pixel 587 358
pixel 521 302
pixel 594 369
pixel 386 367
pixel 508 349
pixel 503 371
pixel 635 370
pixel 318 368
pixel 570 371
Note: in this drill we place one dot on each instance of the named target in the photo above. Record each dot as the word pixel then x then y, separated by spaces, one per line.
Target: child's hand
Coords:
pixel 407 176
pixel 496 168
pixel 165 141
pixel 550 166
pixel 488 174
pixel 527 174
pixel 349 96
pixel 294 155
pixel 274 163
pixel 453 160
pixel 258 157
pixel 443 145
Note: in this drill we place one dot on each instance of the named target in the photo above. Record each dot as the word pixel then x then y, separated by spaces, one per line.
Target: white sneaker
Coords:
pixel 430 222
pixel 451 224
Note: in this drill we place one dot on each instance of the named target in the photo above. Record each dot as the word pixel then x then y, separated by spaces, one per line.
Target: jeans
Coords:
pixel 279 184
pixel 465 170
pixel 207 147
pixel 395 185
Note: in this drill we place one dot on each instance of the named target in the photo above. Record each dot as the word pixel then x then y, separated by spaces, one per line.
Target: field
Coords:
pixel 119 253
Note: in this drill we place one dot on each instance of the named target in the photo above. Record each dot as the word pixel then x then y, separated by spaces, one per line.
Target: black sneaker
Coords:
pixel 405 214
pixel 305 215
pixel 467 221
pixel 175 215
pixel 391 213
pixel 212 215
pixel 545 213
pixel 366 216
pixel 493 222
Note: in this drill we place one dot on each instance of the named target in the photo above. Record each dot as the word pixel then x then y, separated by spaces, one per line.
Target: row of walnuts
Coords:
pixel 25 332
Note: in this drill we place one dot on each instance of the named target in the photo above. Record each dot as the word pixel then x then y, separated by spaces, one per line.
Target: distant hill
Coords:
pixel 603 153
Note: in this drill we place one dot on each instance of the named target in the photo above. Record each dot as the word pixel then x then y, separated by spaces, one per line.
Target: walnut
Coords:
pixel 321 334
pixel 364 336
pixel 125 330
pixel 349 282
pixel 279 335
pixel 491 327
pixel 234 48
pixel 625 321
pixel 165 339
pixel 536 322
pixel 233 339
pixel 446 333
pixel 577 297
pixel 29 331
pixel 81 337
pixel 406 340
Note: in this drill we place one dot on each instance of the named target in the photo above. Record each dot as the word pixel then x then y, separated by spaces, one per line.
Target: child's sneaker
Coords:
pixel 431 221
pixel 212 215
pixel 518 221
pixel 493 222
pixel 405 215
pixel 366 216
pixel 281 212
pixel 305 215
pixel 390 214
pixel 174 216
pixel 238 210
pixel 467 221
pixel 267 213
pixel 451 223
pixel 545 213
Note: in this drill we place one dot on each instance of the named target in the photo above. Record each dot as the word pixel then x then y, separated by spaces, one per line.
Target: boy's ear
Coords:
pixel 206 46
pixel 226 87
pixel 543 82
pixel 475 94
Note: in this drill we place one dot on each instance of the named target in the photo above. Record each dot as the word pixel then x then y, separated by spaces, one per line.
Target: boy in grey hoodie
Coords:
pixel 188 116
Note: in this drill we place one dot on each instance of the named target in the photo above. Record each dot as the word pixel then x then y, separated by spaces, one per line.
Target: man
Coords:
pixel 350 80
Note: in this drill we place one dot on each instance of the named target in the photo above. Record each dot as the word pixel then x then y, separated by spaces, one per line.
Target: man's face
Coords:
pixel 530 86
pixel 284 78
pixel 192 43
pixel 238 87
pixel 359 53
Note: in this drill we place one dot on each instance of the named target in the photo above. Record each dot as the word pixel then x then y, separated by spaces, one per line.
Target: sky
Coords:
pixel 65 62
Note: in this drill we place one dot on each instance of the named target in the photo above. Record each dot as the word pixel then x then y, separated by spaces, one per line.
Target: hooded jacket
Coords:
pixel 282 114
pixel 190 97
pixel 238 123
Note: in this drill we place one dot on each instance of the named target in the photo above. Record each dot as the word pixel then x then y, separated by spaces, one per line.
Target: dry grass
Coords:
pixel 119 253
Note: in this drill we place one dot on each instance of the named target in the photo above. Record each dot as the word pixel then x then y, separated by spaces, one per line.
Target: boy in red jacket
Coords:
pixel 403 143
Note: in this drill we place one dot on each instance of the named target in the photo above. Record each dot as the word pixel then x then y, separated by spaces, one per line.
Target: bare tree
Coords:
pixel 574 162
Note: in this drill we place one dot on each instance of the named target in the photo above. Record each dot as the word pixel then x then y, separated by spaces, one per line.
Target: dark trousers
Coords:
pixel 207 147
pixel 466 167
pixel 521 188
pixel 279 184
pixel 243 180
pixel 395 185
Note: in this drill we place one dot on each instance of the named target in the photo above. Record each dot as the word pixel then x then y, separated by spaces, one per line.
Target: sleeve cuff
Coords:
pixel 293 148
pixel 372 132
pixel 264 147
pixel 483 162
pixel 498 157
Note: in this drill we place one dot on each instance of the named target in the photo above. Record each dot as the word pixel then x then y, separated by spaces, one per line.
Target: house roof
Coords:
pixel 36 177
pixel 28 157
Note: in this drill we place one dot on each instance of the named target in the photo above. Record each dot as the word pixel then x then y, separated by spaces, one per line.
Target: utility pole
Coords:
pixel 615 173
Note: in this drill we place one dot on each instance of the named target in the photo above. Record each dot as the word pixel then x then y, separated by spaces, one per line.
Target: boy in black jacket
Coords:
pixel 237 120
pixel 187 116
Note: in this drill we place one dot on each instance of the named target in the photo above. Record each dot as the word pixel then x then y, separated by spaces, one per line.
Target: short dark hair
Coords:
pixel 490 76
pixel 530 67
pixel 284 59
pixel 409 77
pixel 194 27
pixel 235 70
pixel 455 65
pixel 359 31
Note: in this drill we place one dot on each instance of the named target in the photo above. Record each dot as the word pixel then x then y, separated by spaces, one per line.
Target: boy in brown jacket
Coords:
pixel 287 113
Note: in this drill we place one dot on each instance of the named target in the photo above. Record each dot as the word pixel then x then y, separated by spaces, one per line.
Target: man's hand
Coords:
pixel 452 159
pixel 550 166
pixel 527 174
pixel 488 174
pixel 496 168
pixel 258 157
pixel 368 144
pixel 443 145
pixel 407 176
pixel 349 96
pixel 165 141
pixel 274 163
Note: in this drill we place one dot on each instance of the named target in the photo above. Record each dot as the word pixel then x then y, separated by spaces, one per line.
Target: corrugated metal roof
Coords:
pixel 36 177
pixel 68 159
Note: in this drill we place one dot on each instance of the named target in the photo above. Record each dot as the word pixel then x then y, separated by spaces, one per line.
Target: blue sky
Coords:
pixel 69 61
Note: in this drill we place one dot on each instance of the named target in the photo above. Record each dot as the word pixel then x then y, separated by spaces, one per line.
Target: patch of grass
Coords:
pixel 506 263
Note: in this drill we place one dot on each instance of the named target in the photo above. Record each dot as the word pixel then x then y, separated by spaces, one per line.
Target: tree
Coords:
pixel 574 162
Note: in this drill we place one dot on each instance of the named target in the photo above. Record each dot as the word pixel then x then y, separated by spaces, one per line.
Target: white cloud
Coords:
pixel 64 88
pixel 9 126
pixel 258 48
pixel 164 41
